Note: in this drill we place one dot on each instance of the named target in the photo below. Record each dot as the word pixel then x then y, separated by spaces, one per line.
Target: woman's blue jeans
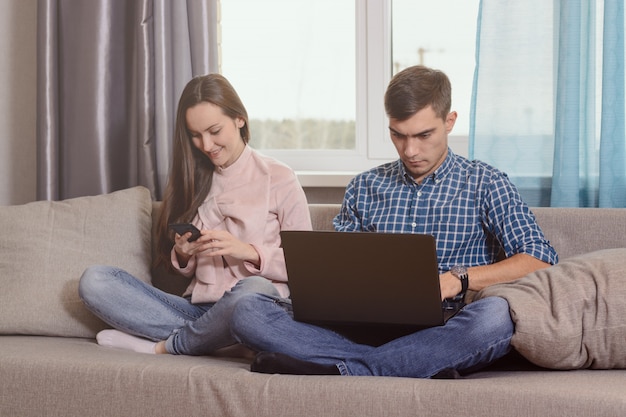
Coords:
pixel 473 338
pixel 132 306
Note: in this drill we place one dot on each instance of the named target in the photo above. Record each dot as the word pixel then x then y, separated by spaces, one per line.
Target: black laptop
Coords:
pixel 372 287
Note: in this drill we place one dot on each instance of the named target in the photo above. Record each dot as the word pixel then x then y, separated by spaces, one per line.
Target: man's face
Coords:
pixel 422 141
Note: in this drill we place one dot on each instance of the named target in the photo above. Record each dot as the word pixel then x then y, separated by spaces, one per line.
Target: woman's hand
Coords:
pixel 183 248
pixel 215 243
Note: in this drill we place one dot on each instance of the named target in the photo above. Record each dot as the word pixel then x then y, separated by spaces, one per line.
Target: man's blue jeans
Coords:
pixel 475 337
pixel 134 307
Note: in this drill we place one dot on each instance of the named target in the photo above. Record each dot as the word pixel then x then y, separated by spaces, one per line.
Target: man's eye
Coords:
pixel 215 132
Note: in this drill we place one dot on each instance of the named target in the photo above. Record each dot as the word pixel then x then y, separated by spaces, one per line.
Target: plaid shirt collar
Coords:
pixel 440 173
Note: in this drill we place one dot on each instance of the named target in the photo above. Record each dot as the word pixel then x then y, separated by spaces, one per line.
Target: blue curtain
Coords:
pixel 548 100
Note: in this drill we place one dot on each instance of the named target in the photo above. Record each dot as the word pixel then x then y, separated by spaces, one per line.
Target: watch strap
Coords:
pixel 461 273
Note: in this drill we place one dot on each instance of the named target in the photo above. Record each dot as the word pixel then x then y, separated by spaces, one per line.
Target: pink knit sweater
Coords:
pixel 253 199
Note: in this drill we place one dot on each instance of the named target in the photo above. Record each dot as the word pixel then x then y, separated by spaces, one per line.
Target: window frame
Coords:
pixel 373 69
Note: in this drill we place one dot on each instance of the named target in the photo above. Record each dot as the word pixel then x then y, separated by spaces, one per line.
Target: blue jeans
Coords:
pixel 132 306
pixel 474 337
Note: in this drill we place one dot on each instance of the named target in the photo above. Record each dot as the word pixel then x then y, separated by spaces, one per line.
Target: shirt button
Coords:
pixel 413 224
pixel 419 193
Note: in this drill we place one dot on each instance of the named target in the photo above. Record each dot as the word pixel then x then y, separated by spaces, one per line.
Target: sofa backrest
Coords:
pixel 572 231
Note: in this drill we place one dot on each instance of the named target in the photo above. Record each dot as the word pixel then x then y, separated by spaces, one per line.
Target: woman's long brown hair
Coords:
pixel 191 171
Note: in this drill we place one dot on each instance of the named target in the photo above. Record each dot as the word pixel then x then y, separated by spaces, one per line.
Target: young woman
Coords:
pixel 239 199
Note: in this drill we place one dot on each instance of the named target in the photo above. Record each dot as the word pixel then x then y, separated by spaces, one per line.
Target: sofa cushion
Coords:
pixel 571 315
pixel 47 245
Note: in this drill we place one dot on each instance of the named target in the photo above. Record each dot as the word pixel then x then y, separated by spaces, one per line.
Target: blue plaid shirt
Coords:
pixel 472 209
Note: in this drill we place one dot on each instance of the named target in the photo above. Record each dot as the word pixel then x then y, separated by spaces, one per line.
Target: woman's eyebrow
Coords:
pixel 203 130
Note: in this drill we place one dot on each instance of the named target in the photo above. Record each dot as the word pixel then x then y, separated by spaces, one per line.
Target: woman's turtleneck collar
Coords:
pixel 238 166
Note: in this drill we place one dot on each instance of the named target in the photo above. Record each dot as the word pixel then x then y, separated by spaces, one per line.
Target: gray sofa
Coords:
pixel 50 364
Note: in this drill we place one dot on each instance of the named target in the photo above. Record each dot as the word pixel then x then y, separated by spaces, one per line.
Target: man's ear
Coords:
pixel 450 121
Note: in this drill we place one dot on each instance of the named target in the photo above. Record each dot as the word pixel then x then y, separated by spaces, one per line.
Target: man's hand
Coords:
pixel 508 269
pixel 450 285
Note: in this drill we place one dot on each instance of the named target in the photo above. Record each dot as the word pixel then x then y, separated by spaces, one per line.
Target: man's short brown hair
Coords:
pixel 416 88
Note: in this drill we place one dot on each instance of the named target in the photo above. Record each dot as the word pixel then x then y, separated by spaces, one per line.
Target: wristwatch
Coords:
pixel 460 272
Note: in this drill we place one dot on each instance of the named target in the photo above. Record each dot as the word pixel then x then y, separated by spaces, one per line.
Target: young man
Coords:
pixel 471 208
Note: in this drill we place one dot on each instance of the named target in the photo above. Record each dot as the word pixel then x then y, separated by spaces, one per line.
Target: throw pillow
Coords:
pixel 46 245
pixel 571 315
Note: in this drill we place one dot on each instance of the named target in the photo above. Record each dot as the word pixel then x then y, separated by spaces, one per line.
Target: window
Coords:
pixel 442 35
pixel 312 74
pixel 293 63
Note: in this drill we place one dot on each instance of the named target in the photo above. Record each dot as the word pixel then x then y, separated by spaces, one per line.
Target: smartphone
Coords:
pixel 182 228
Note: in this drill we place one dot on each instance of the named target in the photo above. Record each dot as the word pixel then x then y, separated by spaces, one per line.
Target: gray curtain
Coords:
pixel 109 76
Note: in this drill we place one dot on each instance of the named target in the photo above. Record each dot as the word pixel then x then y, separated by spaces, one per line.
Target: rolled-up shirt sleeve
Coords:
pixel 514 224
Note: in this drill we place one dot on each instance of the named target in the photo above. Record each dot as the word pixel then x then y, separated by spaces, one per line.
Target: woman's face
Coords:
pixel 215 134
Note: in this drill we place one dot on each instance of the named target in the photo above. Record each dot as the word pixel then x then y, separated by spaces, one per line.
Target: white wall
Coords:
pixel 18 100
